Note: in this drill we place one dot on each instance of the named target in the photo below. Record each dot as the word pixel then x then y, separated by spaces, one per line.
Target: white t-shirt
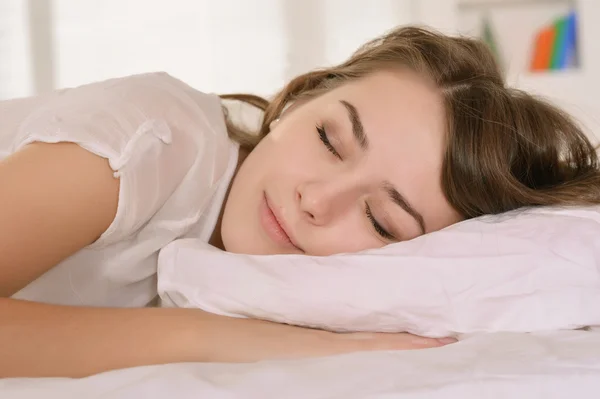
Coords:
pixel 168 145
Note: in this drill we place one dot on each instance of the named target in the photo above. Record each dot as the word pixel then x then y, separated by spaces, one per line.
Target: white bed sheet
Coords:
pixel 563 364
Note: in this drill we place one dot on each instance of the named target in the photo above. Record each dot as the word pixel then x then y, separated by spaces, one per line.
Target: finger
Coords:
pixel 423 342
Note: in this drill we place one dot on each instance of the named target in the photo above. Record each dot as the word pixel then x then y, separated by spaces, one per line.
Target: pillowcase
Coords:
pixel 529 270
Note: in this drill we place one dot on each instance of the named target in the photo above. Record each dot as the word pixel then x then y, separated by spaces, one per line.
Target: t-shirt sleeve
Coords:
pixel 143 125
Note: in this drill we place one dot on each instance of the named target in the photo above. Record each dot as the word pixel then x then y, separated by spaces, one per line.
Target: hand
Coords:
pixel 388 341
pixel 249 340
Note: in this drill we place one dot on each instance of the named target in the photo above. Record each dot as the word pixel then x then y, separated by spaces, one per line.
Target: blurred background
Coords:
pixel 550 47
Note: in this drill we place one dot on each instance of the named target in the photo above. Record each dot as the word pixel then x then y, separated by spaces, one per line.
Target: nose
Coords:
pixel 322 201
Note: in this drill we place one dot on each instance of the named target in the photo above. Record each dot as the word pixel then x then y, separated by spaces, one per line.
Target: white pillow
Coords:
pixel 530 270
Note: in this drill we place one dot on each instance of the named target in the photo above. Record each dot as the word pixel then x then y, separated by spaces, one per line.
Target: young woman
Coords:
pixel 414 132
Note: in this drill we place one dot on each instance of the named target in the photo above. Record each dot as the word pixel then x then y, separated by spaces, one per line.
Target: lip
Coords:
pixel 274 226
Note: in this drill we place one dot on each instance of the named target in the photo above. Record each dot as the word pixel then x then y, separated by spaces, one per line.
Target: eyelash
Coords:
pixel 325 140
pixel 380 230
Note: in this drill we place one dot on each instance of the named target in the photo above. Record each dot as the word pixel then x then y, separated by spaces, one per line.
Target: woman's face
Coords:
pixel 356 168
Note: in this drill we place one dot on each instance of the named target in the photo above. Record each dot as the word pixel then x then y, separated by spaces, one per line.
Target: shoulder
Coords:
pixel 152 128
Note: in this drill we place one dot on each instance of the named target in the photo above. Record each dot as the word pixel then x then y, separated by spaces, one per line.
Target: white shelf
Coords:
pixel 470 4
pixel 561 78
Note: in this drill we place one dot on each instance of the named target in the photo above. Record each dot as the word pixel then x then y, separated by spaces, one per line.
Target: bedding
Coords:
pixel 543 365
pixel 514 289
pixel 526 271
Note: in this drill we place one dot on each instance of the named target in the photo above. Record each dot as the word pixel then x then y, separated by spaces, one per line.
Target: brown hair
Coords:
pixel 506 148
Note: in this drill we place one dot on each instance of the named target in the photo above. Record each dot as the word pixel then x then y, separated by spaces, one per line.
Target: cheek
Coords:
pixel 350 234
pixel 290 136
pixel 294 151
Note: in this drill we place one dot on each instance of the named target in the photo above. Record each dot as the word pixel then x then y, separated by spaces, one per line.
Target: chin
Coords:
pixel 251 246
pixel 238 244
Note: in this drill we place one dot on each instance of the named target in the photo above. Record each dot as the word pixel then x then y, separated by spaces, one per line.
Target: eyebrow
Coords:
pixel 401 201
pixel 357 127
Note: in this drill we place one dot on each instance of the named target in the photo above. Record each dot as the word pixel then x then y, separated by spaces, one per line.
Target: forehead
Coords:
pixel 400 110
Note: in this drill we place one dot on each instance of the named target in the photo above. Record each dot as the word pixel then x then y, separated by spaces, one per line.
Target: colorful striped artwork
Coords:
pixel 555 46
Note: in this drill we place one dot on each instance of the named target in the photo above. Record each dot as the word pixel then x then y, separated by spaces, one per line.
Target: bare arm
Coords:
pixel 55 199
pixel 45 340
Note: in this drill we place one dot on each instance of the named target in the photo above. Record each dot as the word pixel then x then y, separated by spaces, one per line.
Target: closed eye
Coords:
pixel 325 140
pixel 377 226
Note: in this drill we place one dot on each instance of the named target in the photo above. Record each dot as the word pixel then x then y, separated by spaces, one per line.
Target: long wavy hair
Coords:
pixel 506 149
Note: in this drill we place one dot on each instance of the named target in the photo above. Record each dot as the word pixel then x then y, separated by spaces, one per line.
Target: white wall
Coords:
pixel 215 45
pixel 15 60
pixel 222 46
pixel 325 32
